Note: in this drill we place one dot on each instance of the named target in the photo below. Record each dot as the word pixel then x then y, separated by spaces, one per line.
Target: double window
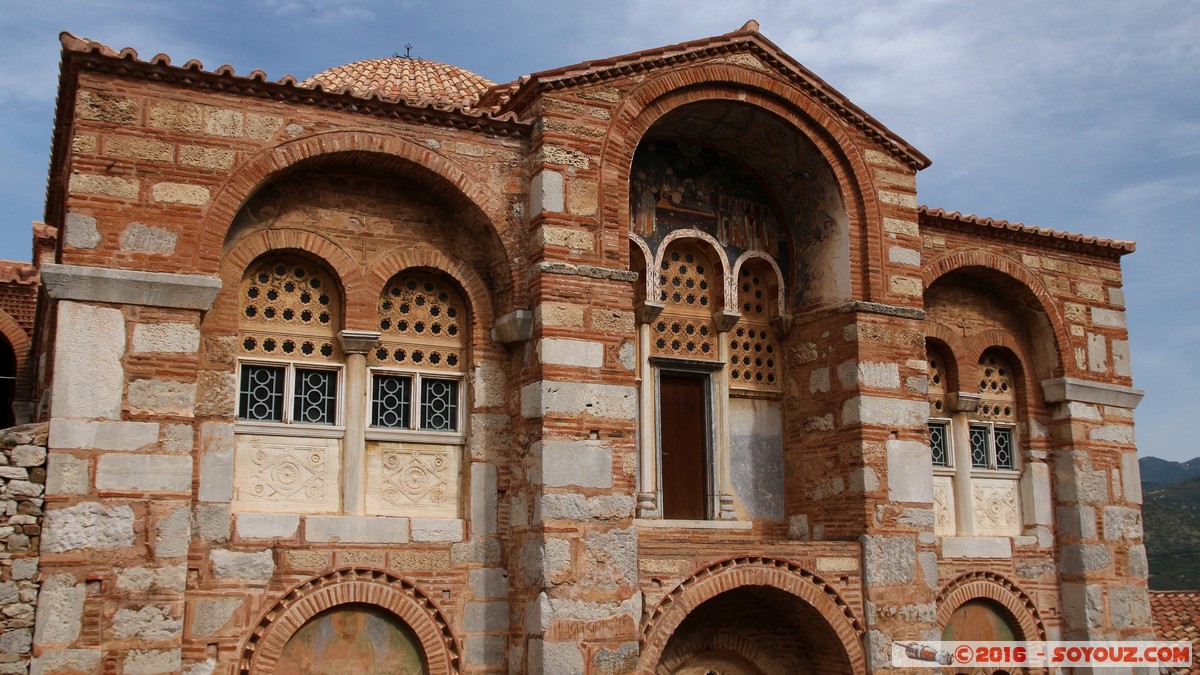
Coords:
pixel 288 393
pixel 393 406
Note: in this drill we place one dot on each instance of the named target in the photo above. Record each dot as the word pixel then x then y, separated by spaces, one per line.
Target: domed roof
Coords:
pixel 404 79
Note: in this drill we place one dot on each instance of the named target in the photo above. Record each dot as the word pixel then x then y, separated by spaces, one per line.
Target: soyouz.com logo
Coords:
pixel 1114 654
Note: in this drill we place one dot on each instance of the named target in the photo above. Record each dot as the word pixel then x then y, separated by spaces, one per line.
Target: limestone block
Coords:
pixel 239 565
pixel 125 436
pixel 976 547
pixel 546 193
pixel 24 568
pixel 173 533
pixel 87 525
pixel 226 123
pixel 1120 358
pixel 262 127
pixel 147 579
pixel 566 238
pixel 267 525
pixel 1076 411
pixel 1097 350
pixel 54 660
pixel 1077 521
pixel 142 238
pixel 879 375
pixel 1136 562
pixel 481 551
pixel 897 226
pixel 1131 478
pixel 818 381
pixel 356 529
pixel 211 522
pixel 1122 523
pixel 559 315
pixel 898 198
pixel 177 439
pixel 163 397
pixel 483 650
pixel 89 378
pixel 928 561
pixel 483 498
pixel 485 617
pixel 109 186
pixel 131 287
pixel 582 197
pixel 490 385
pixel 584 463
pixel 574 399
pixel 436 529
pixel 16 641
pixel 175 116
pixel 613 321
pixel 1113 433
pixel 84 144
pixel 1116 296
pixel 910 286
pixel 837 564
pixel 144 473
pixel 60 610
pixel 910 472
pixel 180 193
pixel 1111 318
pixel 577 353
pixel 627 355
pixel 153 661
pixel 139 149
pixel 81 231
pixel 922 518
pixel 150 622
pixel 104 107
pixel 611 558
pixel 488 582
pixel 216 462
pixel 562 507
pixel 1037 507
pixel 880 411
pixel 904 256
pixel 889 559
pixel 608 507
pixel 563 157
pixel 206 158
pixel 209 615
pixel 756 456
pixel 1078 559
pixel 1129 606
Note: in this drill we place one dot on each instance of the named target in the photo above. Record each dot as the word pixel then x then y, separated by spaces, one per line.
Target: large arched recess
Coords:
pixel 1053 352
pixel 375 151
pixel 659 96
pixel 829 613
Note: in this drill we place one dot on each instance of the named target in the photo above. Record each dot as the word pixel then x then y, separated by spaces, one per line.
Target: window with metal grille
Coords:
pixel 939 443
pixel 392 402
pixel 266 389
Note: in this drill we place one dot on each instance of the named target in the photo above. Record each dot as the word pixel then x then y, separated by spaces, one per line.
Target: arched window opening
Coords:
pixel 353 638
pixel 753 346
pixel 689 288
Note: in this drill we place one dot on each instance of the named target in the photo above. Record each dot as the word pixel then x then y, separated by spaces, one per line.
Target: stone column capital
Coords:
pixel 358 341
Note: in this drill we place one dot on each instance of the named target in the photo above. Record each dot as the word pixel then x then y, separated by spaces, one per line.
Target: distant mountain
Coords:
pixel 1171 519
pixel 1157 472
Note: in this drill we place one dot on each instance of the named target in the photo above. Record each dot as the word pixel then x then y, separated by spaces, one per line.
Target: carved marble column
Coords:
pixel 355 345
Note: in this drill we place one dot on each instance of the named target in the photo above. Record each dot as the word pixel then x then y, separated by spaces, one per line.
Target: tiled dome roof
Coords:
pixel 404 79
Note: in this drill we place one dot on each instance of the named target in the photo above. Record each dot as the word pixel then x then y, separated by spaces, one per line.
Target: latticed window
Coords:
pixel 419 364
pixel 289 314
pixel 939 443
pixel 753 348
pixel 688 291
pixel 939 429
pixel 991 429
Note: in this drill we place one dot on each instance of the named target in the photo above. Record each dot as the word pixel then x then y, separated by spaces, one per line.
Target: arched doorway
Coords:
pixel 754 630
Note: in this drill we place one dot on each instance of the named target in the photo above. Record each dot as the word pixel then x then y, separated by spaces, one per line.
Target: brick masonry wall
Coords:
pixel 22 486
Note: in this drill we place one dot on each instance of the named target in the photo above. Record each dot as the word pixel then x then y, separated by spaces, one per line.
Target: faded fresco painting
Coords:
pixel 356 639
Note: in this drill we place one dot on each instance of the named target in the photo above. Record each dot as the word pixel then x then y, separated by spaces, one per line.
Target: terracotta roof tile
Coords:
pixel 1176 616
pixel 954 216
pixel 404 79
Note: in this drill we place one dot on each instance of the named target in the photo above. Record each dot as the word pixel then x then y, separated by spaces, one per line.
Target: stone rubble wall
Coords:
pixel 22 486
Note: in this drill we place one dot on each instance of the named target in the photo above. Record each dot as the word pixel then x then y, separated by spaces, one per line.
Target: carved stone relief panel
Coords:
pixel 944 524
pixel 995 504
pixel 413 479
pixel 293 475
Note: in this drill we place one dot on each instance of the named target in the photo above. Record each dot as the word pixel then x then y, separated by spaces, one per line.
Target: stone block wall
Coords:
pixel 22 487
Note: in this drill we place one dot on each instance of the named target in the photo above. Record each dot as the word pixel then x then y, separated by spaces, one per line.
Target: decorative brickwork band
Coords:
pixel 372 587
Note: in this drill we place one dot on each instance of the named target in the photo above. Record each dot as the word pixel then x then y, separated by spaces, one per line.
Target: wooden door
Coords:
pixel 683 430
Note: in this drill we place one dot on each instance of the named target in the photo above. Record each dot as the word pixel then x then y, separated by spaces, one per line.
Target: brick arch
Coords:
pixel 761 258
pixel 705 240
pixel 661 622
pixel 396 595
pixel 997 588
pixel 249 248
pixel 653 99
pixel 949 345
pixel 962 260
pixel 21 346
pixel 247 178
pixel 381 270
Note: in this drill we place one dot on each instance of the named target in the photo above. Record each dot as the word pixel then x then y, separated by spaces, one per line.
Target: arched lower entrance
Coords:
pixel 754 630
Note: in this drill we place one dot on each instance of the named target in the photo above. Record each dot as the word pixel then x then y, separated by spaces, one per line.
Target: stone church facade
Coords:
pixel 647 364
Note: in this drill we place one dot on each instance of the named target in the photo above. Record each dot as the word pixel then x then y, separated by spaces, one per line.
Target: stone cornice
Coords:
pixel 128 287
pixel 1062 389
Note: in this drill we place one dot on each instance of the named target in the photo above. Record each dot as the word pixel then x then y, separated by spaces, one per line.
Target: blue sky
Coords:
pixel 1079 116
